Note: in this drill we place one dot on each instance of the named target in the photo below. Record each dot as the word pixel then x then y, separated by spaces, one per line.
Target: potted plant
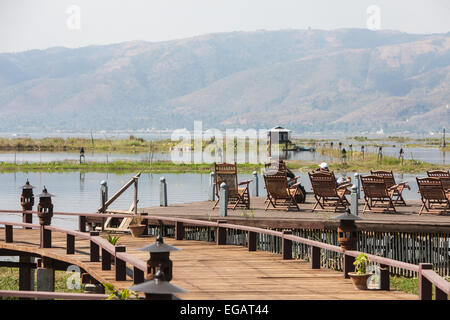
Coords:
pixel 136 226
pixel 360 276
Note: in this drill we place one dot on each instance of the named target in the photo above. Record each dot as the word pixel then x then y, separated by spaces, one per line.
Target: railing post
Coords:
pixel 348 265
pixel 70 244
pixel 315 258
pixel 439 294
pixel 82 223
pixel 425 286
pixel 94 252
pixel 106 260
pixel 138 275
pixel 286 246
pixel 121 269
pixel 223 200
pixel 212 187
pixel 8 233
pixel 358 185
pixel 354 200
pixel 46 237
pixel 252 241
pixel 384 278
pixel 162 192
pixel 221 233
pixel 256 186
pixel 179 230
pixel 27 218
pixel 103 194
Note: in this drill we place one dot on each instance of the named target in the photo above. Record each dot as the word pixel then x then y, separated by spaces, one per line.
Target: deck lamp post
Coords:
pixel 45 207
pixel 347 230
pixel 27 201
pixel 159 257
pixel 158 288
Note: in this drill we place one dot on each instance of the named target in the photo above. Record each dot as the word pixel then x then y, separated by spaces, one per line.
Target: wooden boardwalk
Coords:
pixel 406 218
pixel 210 271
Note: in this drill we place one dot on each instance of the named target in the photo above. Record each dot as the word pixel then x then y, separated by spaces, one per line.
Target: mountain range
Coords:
pixel 347 80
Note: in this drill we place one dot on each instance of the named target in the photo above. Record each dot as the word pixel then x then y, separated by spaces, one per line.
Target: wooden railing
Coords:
pixel 427 277
pixel 52 295
pixel 109 252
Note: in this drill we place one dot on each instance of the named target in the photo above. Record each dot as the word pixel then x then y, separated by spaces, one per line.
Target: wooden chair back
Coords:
pixel 275 166
pixel 387 175
pixel 323 183
pixel 443 175
pixel 374 186
pixel 431 188
pixel 277 185
pixel 226 172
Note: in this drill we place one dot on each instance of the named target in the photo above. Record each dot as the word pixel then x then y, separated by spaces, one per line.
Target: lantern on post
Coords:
pixel 347 230
pixel 45 207
pixel 159 257
pixel 158 288
pixel 27 201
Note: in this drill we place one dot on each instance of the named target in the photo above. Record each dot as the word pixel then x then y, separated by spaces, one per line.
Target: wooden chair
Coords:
pixel 432 193
pixel 279 193
pixel 327 193
pixel 238 193
pixel 443 175
pixel 376 191
pixel 390 182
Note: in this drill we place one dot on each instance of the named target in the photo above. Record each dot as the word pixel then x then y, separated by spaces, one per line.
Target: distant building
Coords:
pixel 277 135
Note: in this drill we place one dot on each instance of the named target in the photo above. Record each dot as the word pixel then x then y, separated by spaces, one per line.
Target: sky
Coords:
pixel 40 24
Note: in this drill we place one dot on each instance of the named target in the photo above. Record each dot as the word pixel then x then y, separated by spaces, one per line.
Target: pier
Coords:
pixel 241 256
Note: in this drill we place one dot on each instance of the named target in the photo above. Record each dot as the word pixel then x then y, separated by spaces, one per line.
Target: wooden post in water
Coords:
pixel 354 200
pixel 256 186
pixel 212 187
pixel 358 185
pixel 162 192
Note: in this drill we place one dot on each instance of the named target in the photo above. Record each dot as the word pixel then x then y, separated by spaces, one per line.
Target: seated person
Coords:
pixel 301 196
pixel 323 167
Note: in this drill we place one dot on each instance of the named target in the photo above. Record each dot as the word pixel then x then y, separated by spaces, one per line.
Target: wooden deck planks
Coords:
pixel 209 271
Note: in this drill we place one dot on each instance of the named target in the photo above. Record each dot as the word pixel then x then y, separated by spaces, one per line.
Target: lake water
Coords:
pixel 430 155
pixel 80 192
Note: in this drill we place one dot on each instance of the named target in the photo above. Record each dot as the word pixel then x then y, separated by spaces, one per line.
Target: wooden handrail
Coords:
pixel 20 224
pixel 314 243
pixel 437 280
pixel 385 261
pixel 135 262
pixel 78 234
pixel 52 295
pixel 104 244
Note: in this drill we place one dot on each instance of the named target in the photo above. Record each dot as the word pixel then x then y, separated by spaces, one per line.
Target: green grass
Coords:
pixel 121 166
pixel 356 163
pixel 74 144
pixel 9 280
pixel 408 285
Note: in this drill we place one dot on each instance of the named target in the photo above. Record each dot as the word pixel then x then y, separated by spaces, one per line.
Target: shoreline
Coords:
pixel 409 166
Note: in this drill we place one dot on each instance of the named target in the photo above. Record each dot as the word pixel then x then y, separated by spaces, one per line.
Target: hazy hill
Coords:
pixel 304 79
